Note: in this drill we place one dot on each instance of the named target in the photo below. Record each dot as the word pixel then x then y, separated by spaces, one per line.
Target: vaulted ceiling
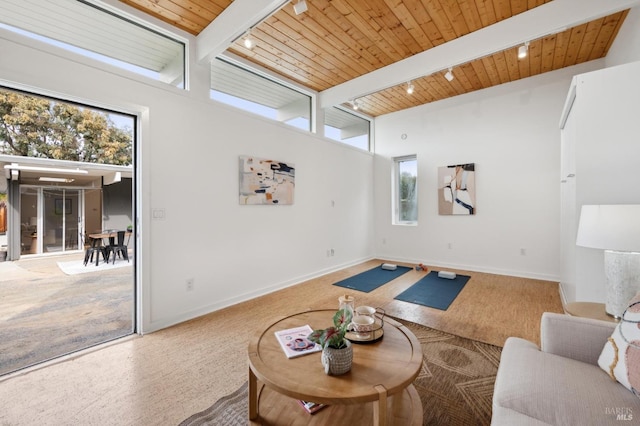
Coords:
pixel 367 51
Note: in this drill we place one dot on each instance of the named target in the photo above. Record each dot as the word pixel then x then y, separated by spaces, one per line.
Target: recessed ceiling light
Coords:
pixel 55 179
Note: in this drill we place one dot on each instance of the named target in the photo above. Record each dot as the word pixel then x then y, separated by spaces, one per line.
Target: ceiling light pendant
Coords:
pixel 449 75
pixel 523 50
pixel 300 7
pixel 248 41
pixel 410 88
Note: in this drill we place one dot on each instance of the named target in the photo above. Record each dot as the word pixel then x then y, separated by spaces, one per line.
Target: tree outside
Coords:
pixel 32 126
pixel 408 207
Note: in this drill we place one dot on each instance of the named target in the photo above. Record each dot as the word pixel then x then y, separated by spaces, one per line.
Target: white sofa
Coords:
pixel 561 382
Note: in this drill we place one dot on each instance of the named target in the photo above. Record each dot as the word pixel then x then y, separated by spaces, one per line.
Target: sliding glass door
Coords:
pixel 61 217
pixel 51 219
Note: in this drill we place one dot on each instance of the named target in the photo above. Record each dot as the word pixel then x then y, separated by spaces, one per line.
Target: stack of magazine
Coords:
pixel 311 407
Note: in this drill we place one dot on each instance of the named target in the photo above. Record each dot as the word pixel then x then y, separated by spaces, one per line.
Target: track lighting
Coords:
pixel 523 50
pixel 300 7
pixel 248 41
pixel 410 88
pixel 449 75
pixel 355 104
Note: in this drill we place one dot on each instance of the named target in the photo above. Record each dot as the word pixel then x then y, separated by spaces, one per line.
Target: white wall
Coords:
pixel 606 152
pixel 626 47
pixel 511 133
pixel 189 148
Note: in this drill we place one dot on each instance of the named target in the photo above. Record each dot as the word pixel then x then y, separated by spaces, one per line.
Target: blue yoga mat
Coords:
pixel 433 291
pixel 372 279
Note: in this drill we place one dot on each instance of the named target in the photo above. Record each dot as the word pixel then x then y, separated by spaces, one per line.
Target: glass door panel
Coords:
pixel 52 220
pixel 28 220
pixel 72 219
pixel 60 220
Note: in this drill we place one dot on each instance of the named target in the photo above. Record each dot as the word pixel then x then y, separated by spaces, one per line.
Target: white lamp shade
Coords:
pixel 610 227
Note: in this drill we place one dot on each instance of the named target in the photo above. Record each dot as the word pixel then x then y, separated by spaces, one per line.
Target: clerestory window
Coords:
pixel 84 28
pixel 250 91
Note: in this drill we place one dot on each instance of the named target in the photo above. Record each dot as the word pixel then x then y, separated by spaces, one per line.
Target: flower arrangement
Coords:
pixel 333 337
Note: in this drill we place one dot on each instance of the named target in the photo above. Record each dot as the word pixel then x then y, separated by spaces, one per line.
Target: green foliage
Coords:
pixel 408 185
pixel 36 127
pixel 333 336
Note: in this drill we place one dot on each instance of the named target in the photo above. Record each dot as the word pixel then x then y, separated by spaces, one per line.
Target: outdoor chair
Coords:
pixel 98 249
pixel 119 248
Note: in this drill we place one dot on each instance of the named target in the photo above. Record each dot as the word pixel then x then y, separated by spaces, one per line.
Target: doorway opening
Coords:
pixel 69 172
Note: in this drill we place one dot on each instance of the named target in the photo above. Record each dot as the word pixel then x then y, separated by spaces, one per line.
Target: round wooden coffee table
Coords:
pixel 380 377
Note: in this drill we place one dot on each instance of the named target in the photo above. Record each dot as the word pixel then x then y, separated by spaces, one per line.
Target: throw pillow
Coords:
pixel 620 357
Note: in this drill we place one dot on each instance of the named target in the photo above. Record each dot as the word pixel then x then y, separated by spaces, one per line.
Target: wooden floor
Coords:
pixel 164 377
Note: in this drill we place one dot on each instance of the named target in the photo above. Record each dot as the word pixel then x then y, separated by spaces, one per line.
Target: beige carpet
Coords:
pixel 455 384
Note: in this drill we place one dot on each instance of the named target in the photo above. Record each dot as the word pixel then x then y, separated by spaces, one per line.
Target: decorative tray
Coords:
pixel 367 336
pixel 375 334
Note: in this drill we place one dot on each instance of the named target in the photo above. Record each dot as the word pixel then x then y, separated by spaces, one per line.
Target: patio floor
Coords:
pixel 45 313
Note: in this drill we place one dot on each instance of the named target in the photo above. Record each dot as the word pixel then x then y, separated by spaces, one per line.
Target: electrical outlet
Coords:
pixel 190 284
pixel 523 252
pixel 333 252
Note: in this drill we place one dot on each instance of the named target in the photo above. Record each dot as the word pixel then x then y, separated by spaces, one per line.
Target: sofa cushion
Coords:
pixel 557 390
pixel 620 357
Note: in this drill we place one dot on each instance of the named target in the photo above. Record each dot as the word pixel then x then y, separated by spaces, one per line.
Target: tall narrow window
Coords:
pixel 406 190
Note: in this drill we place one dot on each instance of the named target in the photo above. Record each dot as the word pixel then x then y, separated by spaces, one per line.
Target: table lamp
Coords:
pixel 616 230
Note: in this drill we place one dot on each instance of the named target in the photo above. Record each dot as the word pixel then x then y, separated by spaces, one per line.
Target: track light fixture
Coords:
pixel 410 88
pixel 355 104
pixel 523 50
pixel 449 75
pixel 300 7
pixel 248 41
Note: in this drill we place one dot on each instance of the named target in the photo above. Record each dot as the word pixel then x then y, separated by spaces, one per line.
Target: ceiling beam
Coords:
pixel 536 23
pixel 232 23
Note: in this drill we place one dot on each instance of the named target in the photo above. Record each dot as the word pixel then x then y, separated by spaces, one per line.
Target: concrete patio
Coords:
pixel 45 313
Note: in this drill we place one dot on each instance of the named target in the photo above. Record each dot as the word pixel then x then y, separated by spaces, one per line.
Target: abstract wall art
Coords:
pixel 265 181
pixel 457 189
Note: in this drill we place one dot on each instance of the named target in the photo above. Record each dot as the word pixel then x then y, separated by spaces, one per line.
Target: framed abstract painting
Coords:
pixel 264 181
pixel 457 189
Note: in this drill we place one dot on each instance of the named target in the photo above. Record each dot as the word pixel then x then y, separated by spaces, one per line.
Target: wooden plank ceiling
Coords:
pixel 335 41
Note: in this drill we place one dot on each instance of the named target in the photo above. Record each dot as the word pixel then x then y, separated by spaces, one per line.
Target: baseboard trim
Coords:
pixel 159 325
pixel 474 268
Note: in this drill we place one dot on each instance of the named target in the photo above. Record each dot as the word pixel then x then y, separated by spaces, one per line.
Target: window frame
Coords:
pixel 346 141
pixel 396 192
pixel 120 63
pixel 252 71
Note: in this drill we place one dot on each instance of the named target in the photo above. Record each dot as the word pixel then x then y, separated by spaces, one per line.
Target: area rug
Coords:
pixel 455 384
pixel 433 291
pixel 77 266
pixel 373 278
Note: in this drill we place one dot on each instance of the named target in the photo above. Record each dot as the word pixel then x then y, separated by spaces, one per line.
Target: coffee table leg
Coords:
pixel 380 407
pixel 253 396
